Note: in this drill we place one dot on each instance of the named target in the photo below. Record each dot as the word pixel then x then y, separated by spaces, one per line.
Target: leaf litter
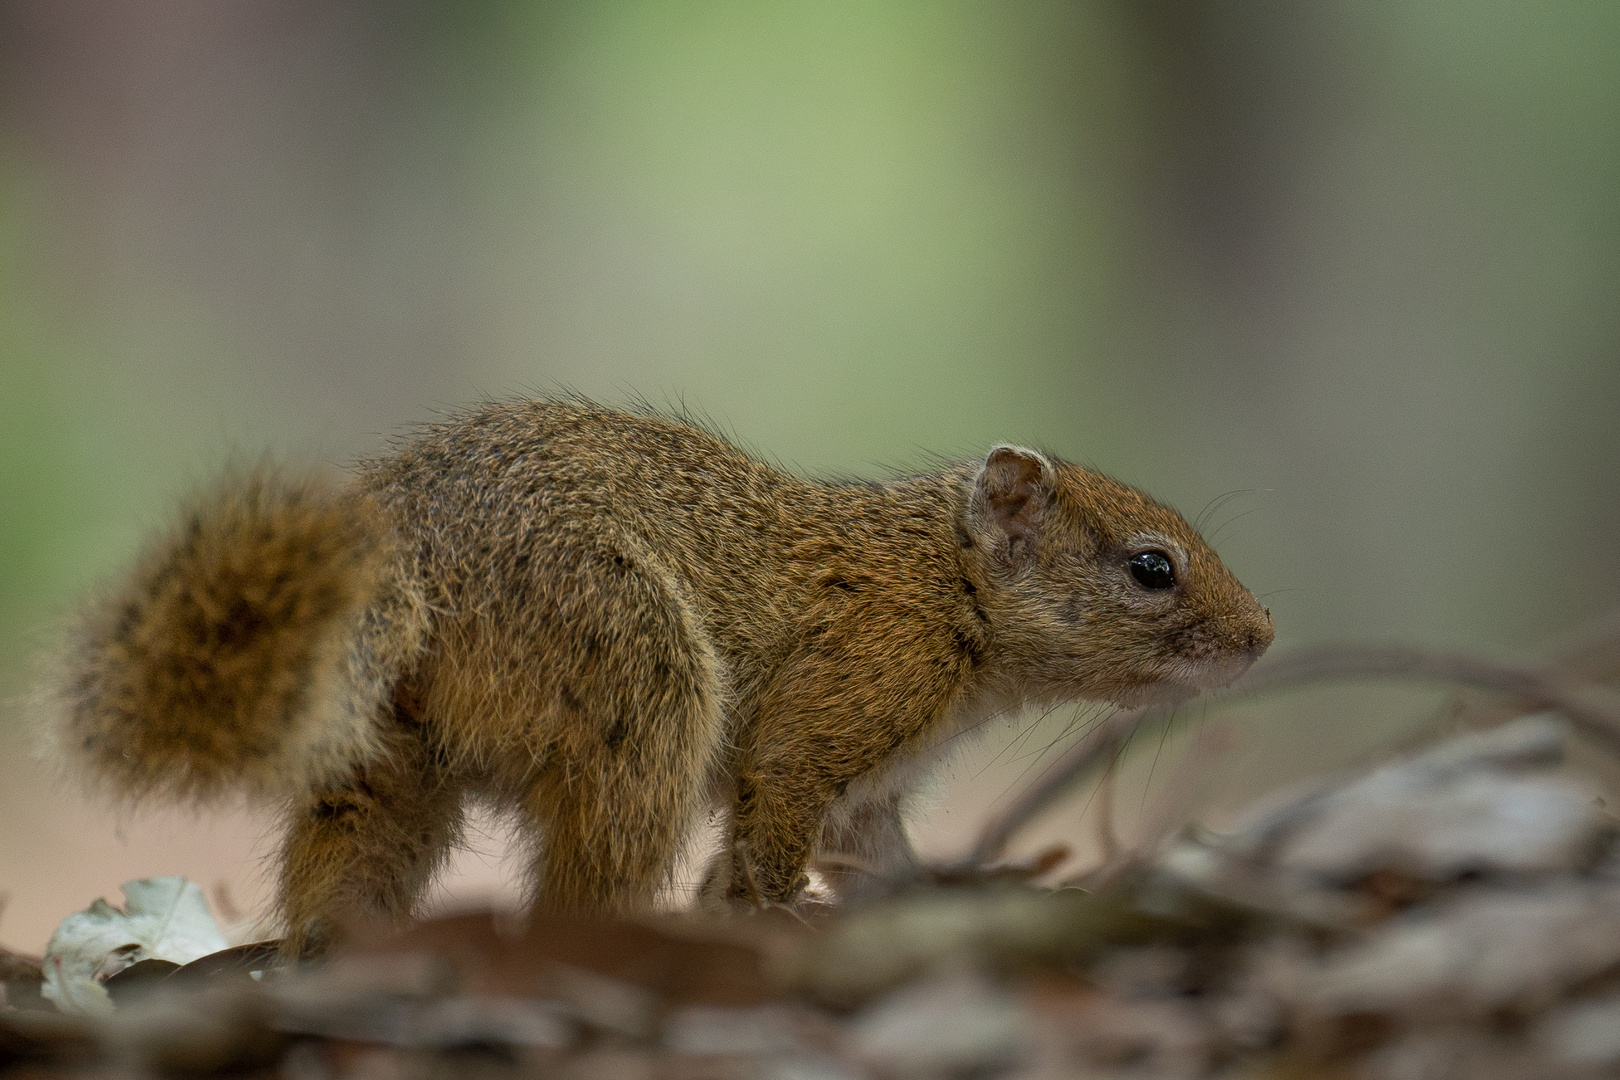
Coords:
pixel 1453 911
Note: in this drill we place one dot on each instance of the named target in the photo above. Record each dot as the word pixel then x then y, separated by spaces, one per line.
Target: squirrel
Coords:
pixel 610 623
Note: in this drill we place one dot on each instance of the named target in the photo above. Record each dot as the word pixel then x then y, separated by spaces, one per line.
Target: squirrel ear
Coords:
pixel 1009 494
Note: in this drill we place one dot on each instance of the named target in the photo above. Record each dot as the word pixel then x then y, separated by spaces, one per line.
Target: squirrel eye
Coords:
pixel 1152 570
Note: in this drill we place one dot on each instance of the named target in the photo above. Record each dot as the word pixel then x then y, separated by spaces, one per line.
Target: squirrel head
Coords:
pixel 1094 590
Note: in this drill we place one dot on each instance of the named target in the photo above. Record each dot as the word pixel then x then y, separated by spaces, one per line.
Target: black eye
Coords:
pixel 1152 570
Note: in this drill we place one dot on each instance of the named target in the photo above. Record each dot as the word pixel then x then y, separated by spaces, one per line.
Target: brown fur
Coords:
pixel 608 623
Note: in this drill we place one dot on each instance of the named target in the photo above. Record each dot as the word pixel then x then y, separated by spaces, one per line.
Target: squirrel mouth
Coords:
pixel 1188 679
pixel 1156 693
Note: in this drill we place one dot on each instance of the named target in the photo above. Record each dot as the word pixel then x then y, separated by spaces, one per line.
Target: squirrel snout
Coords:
pixel 1257 638
pixel 1249 641
pixel 1244 628
pixel 1252 643
pixel 1239 641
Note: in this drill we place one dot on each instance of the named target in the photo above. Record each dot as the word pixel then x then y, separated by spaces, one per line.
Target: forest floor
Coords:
pixel 1452 910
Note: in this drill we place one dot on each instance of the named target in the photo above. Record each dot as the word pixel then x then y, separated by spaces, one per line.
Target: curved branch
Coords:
pixel 1592 707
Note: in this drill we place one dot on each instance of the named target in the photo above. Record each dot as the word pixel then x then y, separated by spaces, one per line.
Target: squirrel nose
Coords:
pixel 1249 633
pixel 1259 638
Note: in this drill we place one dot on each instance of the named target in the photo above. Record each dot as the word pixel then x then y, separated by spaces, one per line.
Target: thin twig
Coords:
pixel 1108 844
pixel 1591 707
pixel 754 896
pixel 838 860
pixel 1590 652
pixel 1094 747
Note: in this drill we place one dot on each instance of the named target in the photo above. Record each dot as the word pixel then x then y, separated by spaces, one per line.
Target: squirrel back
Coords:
pixel 250 647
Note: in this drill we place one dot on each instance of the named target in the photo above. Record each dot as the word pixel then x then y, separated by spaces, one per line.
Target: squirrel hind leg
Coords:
pixel 643 713
pixel 362 853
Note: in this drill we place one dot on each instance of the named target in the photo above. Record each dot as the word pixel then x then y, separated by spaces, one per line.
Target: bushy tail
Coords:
pixel 253 646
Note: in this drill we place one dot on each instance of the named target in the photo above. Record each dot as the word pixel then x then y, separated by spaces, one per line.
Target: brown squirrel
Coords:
pixel 609 622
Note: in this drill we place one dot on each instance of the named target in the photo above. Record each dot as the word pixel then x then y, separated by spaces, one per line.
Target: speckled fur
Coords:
pixel 607 622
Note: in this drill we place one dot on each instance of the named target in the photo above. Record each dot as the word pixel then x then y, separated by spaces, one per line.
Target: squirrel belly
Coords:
pixel 250 648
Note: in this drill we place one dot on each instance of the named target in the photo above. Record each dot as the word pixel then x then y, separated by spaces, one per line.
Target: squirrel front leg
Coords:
pixel 774 824
pixel 807 745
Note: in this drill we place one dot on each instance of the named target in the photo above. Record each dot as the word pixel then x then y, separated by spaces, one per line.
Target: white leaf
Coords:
pixel 163 918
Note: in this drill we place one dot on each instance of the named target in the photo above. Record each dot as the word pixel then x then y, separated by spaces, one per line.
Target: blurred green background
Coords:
pixel 1357 262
